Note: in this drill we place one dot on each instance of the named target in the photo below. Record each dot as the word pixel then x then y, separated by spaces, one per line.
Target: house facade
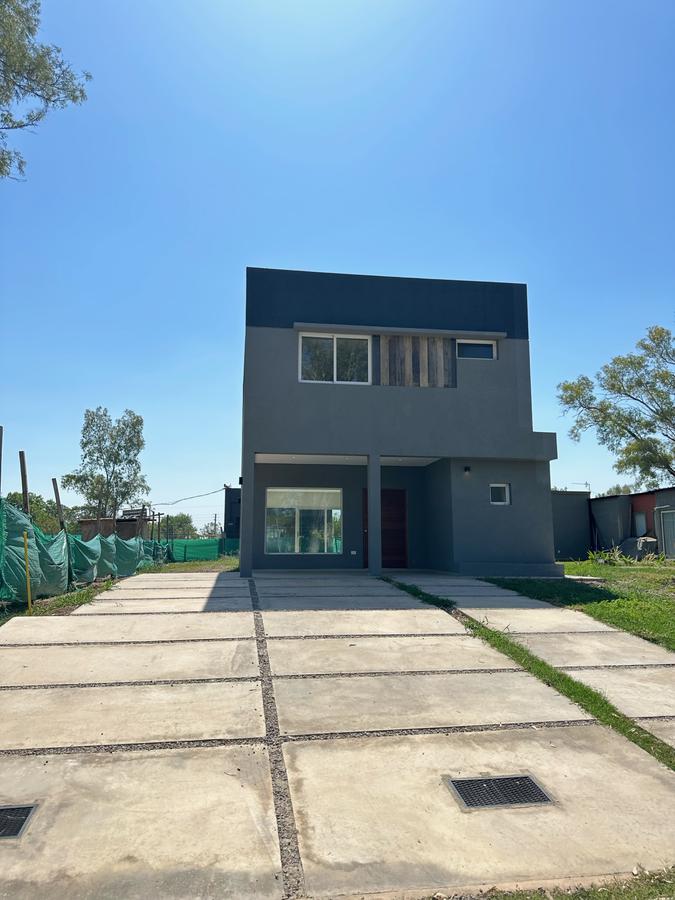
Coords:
pixel 387 423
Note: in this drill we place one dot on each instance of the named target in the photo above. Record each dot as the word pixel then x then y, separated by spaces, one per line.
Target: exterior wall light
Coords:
pixel 467 470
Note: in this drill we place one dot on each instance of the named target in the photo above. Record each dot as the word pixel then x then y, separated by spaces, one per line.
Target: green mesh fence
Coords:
pixel 59 562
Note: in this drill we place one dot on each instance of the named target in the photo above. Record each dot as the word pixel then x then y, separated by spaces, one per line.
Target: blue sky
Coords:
pixel 519 141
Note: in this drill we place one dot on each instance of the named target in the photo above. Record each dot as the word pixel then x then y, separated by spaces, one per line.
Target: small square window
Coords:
pixel 476 349
pixel 500 494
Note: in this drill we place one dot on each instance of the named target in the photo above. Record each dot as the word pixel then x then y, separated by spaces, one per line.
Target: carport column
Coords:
pixel 246 514
pixel 374 515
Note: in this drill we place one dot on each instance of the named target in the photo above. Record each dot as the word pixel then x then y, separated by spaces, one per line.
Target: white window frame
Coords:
pixel 507 487
pixel 297 518
pixel 477 358
pixel 335 336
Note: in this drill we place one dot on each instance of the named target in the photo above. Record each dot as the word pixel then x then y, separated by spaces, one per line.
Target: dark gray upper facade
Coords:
pixel 456 424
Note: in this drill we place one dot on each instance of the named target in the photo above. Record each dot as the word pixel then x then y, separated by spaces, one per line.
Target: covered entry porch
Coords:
pixel 315 511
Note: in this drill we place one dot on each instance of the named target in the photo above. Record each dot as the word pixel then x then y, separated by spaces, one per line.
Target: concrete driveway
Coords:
pixel 192 736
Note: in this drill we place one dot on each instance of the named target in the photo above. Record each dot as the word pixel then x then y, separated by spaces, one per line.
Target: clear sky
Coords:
pixel 508 141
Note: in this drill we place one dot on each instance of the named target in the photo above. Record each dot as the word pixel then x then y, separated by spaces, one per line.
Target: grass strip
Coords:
pixel 643 886
pixel 55 606
pixel 222 564
pixel 594 703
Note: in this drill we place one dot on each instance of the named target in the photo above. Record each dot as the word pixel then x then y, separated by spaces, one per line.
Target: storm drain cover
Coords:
pixel 13 820
pixel 505 790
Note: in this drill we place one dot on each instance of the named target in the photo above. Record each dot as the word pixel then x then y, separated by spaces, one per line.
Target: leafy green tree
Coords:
pixel 616 489
pixel 34 78
pixel 43 512
pixel 109 475
pixel 631 407
pixel 181 526
pixel 210 530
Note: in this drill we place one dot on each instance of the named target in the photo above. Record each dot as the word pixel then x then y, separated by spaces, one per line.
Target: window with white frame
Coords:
pixel 500 494
pixel 303 520
pixel 336 358
pixel 476 349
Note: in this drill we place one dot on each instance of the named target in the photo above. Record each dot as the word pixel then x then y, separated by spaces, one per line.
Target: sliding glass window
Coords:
pixel 303 520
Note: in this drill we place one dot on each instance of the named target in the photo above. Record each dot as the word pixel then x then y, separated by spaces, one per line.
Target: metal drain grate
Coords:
pixel 506 790
pixel 13 820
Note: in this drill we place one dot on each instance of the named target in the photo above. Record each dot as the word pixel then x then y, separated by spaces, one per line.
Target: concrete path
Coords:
pixel 638 677
pixel 291 736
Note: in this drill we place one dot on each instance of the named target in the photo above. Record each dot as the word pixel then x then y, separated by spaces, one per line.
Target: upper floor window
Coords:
pixel 476 349
pixel 500 494
pixel 337 358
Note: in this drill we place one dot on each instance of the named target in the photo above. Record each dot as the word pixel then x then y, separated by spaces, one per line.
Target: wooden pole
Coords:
pixel 1 433
pixel 24 482
pixel 25 556
pixel 152 527
pixel 59 508
pixel 159 526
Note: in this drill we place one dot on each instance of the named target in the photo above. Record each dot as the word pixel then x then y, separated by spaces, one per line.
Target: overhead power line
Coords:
pixel 194 497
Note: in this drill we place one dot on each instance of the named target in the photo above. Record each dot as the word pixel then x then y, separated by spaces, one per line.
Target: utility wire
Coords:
pixel 194 497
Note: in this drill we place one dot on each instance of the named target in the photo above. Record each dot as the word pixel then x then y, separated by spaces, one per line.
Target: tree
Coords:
pixel 34 78
pixel 210 530
pixel 616 489
pixel 631 406
pixel 181 526
pixel 43 512
pixel 109 475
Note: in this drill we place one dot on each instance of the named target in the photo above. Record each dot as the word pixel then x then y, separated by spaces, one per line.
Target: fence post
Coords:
pixel 24 482
pixel 25 556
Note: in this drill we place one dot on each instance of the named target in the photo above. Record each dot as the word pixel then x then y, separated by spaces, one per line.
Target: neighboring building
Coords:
pixel 581 524
pixel 387 423
pixel 232 512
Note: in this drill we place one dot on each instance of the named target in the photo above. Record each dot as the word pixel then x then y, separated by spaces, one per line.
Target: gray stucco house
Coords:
pixel 387 423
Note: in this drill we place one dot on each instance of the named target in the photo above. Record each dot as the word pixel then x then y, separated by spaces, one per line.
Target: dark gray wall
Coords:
pixel 493 538
pixel 451 523
pixel 612 518
pixel 487 414
pixel 276 298
pixel 571 524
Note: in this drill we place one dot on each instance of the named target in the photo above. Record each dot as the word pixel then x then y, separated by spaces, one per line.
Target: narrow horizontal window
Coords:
pixel 303 520
pixel 476 349
pixel 500 494
pixel 335 358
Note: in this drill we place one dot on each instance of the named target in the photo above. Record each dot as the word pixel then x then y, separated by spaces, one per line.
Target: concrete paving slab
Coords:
pixel 67 629
pixel 414 621
pixel 614 648
pixel 388 702
pixel 662 728
pixel 499 601
pixel 65 717
pixel 382 654
pixel 392 601
pixel 636 692
pixel 375 815
pixel 173 824
pixel 552 619
pixel 170 593
pixel 105 663
pixel 341 592
pixel 174 605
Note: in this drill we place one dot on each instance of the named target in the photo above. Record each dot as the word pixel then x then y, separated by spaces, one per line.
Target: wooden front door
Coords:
pixel 394 528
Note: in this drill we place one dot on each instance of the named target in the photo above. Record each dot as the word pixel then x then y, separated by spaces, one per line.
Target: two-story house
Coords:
pixel 387 423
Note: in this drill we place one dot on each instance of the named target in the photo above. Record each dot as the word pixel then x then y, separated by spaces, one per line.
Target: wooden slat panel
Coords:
pixel 384 359
pixel 424 362
pixel 438 380
pixel 446 362
pixel 406 346
pixel 416 361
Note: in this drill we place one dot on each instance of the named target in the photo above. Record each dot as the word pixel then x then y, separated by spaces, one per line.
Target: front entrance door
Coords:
pixel 394 528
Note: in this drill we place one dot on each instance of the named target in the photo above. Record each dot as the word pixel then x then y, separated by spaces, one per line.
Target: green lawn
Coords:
pixel 639 598
pixel 222 564
pixel 646 886
pixel 54 606
pixel 66 603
